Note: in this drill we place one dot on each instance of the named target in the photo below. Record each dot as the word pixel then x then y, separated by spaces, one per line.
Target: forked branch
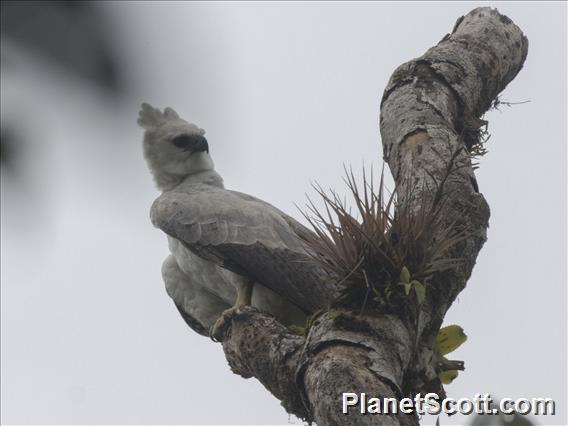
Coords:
pixel 430 124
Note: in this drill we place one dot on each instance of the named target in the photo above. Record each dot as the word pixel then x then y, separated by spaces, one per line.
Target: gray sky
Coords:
pixel 288 93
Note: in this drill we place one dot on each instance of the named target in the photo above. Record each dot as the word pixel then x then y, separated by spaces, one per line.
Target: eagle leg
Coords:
pixel 244 297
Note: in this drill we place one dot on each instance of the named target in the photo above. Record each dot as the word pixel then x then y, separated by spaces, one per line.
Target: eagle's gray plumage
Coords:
pixel 242 234
pixel 221 240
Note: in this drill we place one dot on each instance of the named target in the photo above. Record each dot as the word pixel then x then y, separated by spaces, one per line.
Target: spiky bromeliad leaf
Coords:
pixel 375 248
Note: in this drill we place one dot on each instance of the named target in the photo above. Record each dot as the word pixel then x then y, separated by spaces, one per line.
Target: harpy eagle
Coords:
pixel 228 249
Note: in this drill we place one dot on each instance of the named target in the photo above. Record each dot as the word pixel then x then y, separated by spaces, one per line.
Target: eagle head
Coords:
pixel 173 148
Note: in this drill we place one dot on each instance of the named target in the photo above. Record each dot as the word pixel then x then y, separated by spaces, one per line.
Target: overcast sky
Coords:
pixel 288 93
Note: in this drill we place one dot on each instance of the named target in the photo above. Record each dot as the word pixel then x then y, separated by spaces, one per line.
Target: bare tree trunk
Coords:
pixel 430 120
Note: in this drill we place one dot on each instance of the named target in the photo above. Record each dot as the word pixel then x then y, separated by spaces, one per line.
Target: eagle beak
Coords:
pixel 199 146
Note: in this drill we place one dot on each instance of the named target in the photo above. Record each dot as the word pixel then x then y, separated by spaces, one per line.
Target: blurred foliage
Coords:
pixel 7 141
pixel 75 34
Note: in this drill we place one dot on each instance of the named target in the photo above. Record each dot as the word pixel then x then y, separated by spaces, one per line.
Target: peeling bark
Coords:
pixel 430 116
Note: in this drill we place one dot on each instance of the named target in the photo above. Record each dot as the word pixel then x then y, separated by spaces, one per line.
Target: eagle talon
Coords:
pixel 244 296
pixel 221 326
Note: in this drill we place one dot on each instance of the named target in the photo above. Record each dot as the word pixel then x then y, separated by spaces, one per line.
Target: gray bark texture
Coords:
pixel 430 121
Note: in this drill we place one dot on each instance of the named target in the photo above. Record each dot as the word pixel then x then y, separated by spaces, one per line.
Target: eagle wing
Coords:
pixel 198 307
pixel 247 236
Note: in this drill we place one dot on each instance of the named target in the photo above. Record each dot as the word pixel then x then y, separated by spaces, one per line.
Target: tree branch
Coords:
pixel 430 119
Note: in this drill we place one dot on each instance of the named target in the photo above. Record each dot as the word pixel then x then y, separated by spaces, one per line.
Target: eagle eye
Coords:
pixel 192 143
pixel 184 141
